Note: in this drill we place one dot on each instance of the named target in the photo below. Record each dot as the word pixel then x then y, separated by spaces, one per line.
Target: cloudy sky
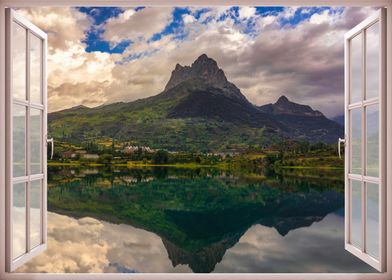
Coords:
pixel 104 55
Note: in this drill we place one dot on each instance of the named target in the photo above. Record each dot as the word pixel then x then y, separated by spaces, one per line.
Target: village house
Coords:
pixel 68 154
pixel 90 156
pixel 134 149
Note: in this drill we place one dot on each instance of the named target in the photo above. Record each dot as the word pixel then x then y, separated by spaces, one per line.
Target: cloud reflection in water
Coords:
pixel 89 245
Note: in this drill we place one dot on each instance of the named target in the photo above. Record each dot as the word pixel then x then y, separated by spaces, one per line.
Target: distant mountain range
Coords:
pixel 199 110
pixel 339 119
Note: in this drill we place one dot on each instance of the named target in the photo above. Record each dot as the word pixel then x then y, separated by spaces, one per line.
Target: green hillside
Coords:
pixel 199 110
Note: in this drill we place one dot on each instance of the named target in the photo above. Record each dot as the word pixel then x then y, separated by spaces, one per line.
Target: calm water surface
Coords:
pixel 194 220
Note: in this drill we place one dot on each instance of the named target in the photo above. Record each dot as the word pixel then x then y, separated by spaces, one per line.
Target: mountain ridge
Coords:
pixel 284 106
pixel 199 105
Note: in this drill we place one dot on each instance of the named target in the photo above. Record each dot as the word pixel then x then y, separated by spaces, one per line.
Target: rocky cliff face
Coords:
pixel 203 68
pixel 205 72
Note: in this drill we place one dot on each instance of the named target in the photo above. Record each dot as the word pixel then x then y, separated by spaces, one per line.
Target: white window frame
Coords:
pixel 360 30
pixel 11 264
pixel 163 276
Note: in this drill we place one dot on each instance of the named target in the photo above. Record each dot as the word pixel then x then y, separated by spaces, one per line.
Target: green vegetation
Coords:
pixel 160 157
pixel 142 120
pixel 286 154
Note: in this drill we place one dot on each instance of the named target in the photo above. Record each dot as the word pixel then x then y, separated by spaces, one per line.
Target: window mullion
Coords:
pixel 28 142
pixel 363 142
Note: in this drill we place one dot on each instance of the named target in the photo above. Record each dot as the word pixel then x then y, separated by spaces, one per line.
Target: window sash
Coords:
pixel 28 178
pixel 362 105
pixel 132 3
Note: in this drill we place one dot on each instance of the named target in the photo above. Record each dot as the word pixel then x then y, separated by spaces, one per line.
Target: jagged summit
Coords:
pixel 203 68
pixel 205 60
pixel 204 72
pixel 282 100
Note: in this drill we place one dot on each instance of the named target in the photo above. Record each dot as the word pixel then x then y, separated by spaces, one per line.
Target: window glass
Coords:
pixel 18 220
pixel 356 140
pixel 372 219
pixel 356 213
pixel 356 68
pixel 18 61
pixel 19 140
pixel 372 61
pixel 35 69
pixel 35 213
pixel 35 141
pixel 372 141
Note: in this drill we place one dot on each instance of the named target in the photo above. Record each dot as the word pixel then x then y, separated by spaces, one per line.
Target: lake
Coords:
pixel 130 220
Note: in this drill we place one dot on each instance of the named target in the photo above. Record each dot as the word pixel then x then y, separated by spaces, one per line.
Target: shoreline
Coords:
pixel 130 164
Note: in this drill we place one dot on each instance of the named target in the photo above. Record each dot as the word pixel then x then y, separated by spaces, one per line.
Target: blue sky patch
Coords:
pixel 197 14
pixel 175 27
pixel 302 14
pixel 101 14
pixel 265 11
pixel 93 39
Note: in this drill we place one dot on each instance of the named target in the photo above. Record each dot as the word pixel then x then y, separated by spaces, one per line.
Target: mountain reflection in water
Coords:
pixel 195 220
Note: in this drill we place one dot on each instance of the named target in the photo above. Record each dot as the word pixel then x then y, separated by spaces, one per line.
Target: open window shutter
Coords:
pixel 26 111
pixel 365 132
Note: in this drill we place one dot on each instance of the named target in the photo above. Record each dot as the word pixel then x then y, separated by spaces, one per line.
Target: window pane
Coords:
pixel 356 68
pixel 372 61
pixel 35 141
pixel 372 140
pixel 35 213
pixel 356 213
pixel 372 220
pixel 18 220
pixel 18 61
pixel 35 69
pixel 18 141
pixel 356 140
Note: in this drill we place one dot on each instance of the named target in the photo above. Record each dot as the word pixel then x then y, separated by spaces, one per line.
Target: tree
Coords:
pixel 105 158
pixel 113 147
pixel 198 159
pixel 161 157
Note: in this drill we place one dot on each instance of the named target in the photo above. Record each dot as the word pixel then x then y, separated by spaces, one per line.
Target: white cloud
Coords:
pixel 288 12
pixel 88 245
pixel 65 26
pixel 74 75
pixel 262 249
pixel 247 12
pixel 187 18
pixel 321 18
pixel 267 20
pixel 137 25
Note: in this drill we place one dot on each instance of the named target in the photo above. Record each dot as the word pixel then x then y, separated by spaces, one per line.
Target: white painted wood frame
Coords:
pixel 29 3
pixel 360 30
pixel 13 262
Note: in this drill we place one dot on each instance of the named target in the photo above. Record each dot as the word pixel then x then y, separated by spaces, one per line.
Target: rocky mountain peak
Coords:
pixel 203 68
pixel 179 67
pixel 283 106
pixel 204 61
pixel 282 100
